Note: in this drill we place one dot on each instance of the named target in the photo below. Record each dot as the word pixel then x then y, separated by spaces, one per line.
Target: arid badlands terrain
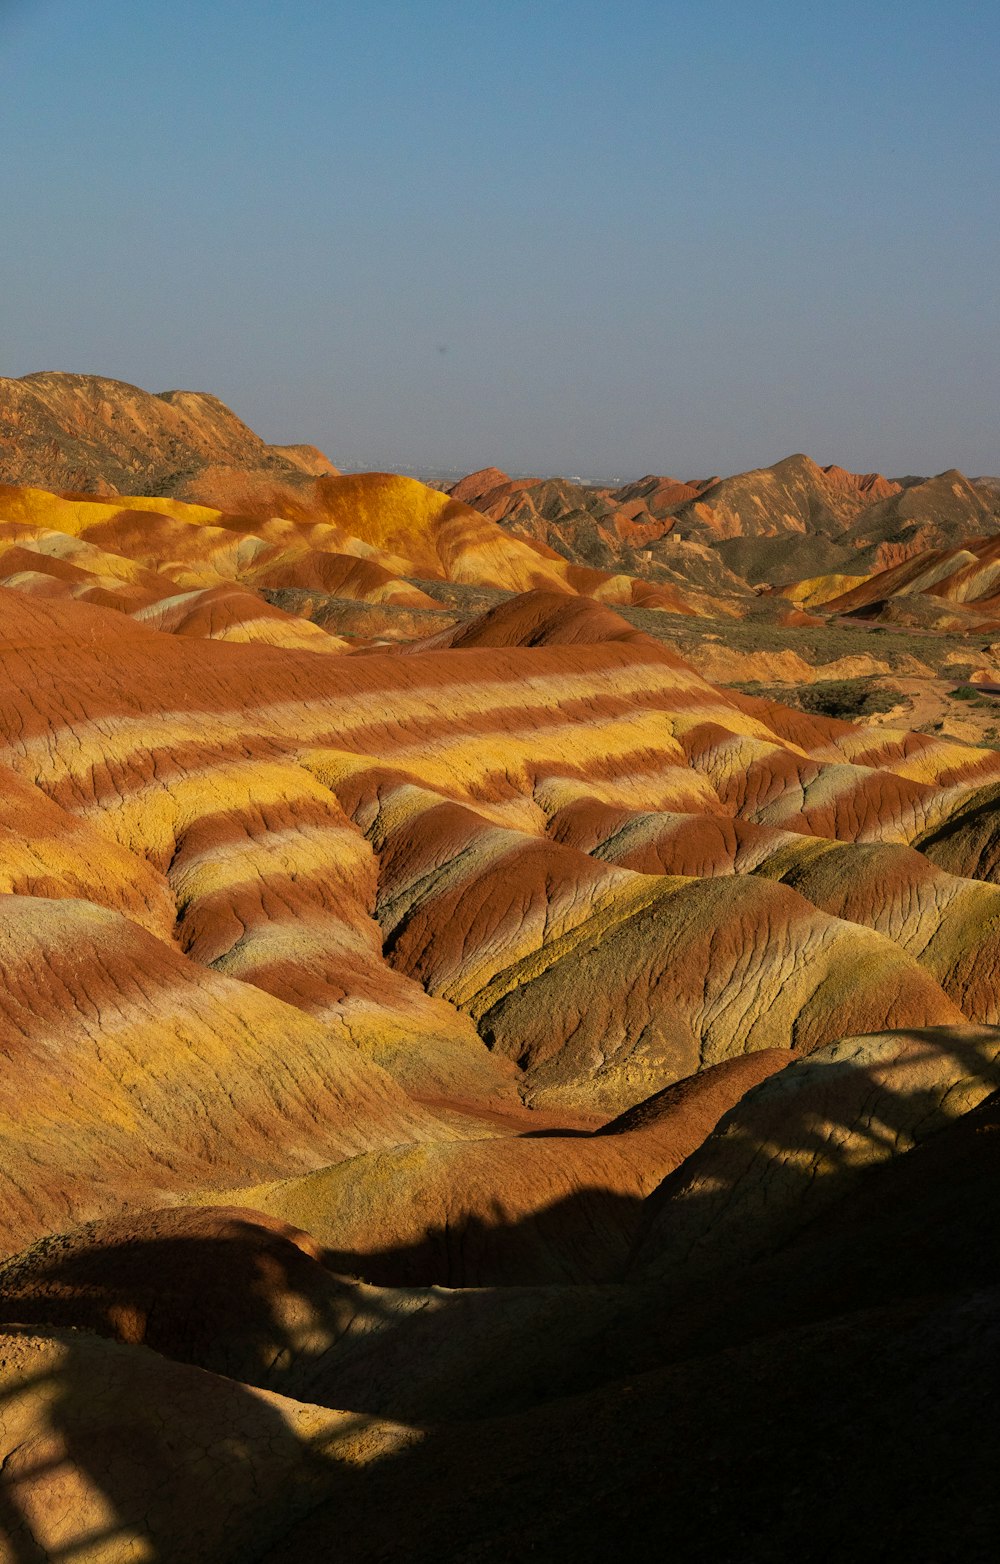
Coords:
pixel 499 1005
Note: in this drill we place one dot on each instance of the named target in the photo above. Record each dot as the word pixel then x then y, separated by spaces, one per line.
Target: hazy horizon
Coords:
pixel 566 239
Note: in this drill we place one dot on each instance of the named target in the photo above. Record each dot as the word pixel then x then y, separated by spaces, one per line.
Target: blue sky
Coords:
pixel 556 236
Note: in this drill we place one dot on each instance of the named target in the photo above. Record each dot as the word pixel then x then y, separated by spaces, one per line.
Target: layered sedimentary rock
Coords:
pixel 368 538
pixel 411 1052
pixel 944 588
pixel 287 825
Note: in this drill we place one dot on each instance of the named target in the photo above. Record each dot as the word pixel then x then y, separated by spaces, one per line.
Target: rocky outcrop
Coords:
pixel 98 436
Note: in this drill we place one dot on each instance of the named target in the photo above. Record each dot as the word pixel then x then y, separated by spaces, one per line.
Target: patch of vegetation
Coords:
pixel 816 644
pixel 972 694
pixel 849 697
pixel 843 698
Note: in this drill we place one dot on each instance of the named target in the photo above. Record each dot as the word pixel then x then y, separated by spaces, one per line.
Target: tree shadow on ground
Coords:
pixel 111 1450
pixel 698 1406
pixel 582 1237
pixel 117 1454
pixel 870 1437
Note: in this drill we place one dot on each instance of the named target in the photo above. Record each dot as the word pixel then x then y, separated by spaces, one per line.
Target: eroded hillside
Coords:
pixel 458 1048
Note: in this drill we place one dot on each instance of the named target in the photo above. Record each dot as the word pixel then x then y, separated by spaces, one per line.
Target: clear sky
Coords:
pixel 555 235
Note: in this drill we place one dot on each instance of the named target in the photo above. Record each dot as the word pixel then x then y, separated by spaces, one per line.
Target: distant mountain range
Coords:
pixel 703 545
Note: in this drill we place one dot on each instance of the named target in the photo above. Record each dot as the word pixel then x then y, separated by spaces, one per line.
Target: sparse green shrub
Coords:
pixel 846 699
pixel 970 693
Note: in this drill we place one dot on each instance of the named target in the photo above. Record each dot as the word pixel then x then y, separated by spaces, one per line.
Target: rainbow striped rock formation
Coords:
pixel 477 1093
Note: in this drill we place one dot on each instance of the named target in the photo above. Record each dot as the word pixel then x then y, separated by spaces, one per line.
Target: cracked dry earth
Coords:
pixel 506 1098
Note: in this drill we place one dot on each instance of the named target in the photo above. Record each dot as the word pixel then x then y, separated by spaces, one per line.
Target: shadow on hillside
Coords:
pixel 247 1302
pixel 981 822
pixel 873 1438
pixel 801 1141
pixel 581 1238
pixel 469 1354
pixel 269 1315
pixel 558 1133
pixel 105 1470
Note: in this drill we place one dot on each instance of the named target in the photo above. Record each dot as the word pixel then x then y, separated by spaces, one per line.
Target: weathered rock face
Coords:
pixel 789 523
pixel 99 436
pixel 793 496
pixel 941 587
pixel 871 486
pixel 628 529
